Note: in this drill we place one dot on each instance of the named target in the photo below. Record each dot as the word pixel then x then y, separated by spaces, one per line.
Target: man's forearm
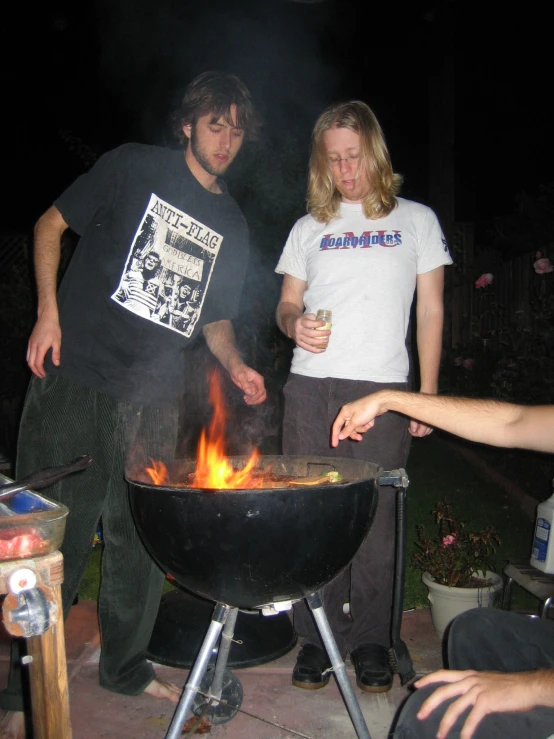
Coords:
pixel 220 338
pixel 542 686
pixel 429 349
pixel 487 421
pixel 286 315
pixel 47 250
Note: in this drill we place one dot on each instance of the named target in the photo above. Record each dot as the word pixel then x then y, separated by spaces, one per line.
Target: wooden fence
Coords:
pixel 472 312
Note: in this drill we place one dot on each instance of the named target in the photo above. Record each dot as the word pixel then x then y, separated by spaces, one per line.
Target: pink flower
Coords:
pixel 538 255
pixel 458 362
pixel 468 364
pixel 542 266
pixel 449 540
pixel 484 280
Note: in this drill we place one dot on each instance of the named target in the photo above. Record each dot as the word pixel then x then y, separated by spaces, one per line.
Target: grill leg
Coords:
pixel 223 654
pixel 193 683
pixel 338 666
pixel 399 654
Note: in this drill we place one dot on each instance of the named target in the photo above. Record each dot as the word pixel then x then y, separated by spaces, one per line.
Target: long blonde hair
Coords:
pixel 323 197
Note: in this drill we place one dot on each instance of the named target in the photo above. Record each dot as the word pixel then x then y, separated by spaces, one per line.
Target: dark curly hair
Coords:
pixel 215 92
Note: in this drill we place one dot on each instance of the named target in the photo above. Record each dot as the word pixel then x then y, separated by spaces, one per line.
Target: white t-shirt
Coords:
pixel 365 272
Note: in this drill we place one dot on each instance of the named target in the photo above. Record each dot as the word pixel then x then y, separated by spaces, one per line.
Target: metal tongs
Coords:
pixel 45 477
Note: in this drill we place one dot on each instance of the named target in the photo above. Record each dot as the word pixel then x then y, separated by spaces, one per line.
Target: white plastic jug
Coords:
pixel 542 555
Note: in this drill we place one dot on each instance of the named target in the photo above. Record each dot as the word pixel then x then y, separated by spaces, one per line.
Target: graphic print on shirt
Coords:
pixel 365 240
pixel 169 267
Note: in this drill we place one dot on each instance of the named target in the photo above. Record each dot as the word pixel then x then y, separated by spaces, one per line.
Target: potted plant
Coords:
pixel 457 566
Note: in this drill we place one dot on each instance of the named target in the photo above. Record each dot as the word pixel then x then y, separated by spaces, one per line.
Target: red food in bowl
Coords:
pixel 22 542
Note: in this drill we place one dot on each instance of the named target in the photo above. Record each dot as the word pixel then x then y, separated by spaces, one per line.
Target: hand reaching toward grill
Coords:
pixel 355 418
pixel 251 383
pixel 220 337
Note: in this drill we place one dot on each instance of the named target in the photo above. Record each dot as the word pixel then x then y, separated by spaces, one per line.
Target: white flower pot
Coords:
pixel 447 602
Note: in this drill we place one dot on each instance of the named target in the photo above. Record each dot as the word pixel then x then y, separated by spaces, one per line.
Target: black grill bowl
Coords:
pixel 249 548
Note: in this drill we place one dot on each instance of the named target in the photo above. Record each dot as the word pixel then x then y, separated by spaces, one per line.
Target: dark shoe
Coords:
pixel 373 671
pixel 311 664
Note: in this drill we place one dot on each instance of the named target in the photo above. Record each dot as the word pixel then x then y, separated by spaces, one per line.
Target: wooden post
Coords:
pixel 46 652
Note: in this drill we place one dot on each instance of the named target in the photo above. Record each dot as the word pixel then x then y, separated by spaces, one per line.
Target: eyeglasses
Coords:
pixel 335 161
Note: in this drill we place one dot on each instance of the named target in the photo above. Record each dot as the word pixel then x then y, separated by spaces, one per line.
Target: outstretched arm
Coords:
pixel 46 333
pixel 220 338
pixel 484 693
pixel 487 421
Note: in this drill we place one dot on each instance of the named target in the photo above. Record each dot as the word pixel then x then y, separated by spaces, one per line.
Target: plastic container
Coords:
pixel 324 315
pixel 542 555
pixel 30 525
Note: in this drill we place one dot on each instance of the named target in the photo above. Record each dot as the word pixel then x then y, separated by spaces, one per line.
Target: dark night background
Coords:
pixel 461 91
pixel 107 72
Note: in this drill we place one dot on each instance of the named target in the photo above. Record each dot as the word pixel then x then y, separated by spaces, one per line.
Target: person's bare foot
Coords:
pixel 160 689
pixel 12 725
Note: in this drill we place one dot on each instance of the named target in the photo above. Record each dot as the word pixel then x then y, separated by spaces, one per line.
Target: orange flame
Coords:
pixel 213 469
pixel 158 473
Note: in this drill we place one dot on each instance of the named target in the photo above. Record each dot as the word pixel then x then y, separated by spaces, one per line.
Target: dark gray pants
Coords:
pixel 62 420
pixel 311 406
pixel 489 639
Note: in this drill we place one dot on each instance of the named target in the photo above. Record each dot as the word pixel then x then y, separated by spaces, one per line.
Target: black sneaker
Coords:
pixel 373 671
pixel 310 670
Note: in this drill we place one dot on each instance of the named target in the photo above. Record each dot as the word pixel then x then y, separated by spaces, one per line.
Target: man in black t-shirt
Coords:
pixel 108 371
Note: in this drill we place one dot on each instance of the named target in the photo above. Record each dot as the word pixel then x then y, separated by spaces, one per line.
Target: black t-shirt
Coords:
pixel 159 256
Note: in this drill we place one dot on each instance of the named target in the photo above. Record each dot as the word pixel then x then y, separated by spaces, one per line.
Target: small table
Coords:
pixel 32 529
pixel 536 582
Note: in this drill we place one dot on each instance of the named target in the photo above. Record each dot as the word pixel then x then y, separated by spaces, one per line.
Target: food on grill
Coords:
pixel 325 477
pixel 271 481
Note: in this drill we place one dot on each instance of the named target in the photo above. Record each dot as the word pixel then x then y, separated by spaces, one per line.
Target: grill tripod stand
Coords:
pixel 222 624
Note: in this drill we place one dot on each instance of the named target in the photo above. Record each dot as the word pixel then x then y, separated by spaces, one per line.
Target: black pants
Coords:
pixel 62 420
pixel 311 406
pixel 489 639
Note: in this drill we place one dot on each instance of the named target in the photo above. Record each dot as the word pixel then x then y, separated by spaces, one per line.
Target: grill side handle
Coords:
pixel 395 478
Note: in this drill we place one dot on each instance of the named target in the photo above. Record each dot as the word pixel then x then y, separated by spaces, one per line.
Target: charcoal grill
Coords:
pixel 264 549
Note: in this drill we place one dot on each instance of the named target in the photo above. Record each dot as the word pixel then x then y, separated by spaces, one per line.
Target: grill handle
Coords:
pixel 395 478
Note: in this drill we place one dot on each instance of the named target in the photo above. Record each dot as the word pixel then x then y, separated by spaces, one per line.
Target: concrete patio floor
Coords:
pixel 271 709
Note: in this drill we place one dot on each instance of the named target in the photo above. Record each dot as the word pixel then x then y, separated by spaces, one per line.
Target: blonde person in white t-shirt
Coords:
pixel 361 252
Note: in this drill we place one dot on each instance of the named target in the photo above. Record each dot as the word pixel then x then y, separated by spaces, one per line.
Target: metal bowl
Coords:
pixel 249 548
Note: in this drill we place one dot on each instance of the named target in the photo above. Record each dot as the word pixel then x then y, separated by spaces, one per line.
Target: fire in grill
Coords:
pixel 252 547
pixel 252 533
